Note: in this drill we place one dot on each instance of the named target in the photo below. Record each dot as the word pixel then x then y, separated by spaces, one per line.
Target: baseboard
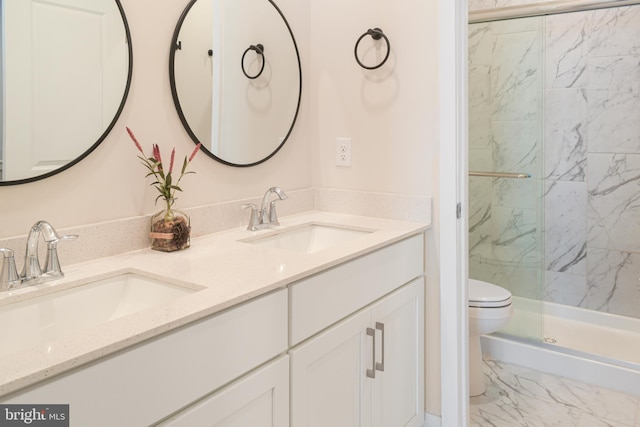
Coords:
pixel 431 420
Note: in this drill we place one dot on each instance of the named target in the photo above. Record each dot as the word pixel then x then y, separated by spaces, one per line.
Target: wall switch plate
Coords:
pixel 343 152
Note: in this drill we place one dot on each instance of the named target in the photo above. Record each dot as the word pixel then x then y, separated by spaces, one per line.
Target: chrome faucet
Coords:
pixel 267 215
pixel 32 272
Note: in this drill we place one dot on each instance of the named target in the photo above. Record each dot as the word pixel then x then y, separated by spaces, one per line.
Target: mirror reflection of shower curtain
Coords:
pixel 505 134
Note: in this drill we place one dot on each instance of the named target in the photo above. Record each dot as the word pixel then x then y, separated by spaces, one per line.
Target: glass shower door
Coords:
pixel 505 144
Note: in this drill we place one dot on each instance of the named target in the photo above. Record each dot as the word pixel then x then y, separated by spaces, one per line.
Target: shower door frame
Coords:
pixel 543 8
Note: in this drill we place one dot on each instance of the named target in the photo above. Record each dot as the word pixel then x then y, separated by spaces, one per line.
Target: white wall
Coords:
pixel 390 112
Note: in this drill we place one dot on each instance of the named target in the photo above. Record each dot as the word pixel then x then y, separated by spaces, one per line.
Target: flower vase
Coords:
pixel 170 229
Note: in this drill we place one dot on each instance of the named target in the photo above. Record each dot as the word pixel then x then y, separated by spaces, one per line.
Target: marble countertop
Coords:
pixel 224 270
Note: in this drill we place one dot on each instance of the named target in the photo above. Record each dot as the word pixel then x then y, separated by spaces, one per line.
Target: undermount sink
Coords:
pixel 308 238
pixel 43 319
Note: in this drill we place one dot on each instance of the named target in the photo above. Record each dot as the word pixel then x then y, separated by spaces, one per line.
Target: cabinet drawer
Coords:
pixel 323 299
pixel 140 385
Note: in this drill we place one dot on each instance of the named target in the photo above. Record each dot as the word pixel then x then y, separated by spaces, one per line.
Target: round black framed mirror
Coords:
pixel 67 67
pixel 236 78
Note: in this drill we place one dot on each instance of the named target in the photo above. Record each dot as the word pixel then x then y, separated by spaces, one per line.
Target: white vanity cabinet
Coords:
pixel 343 347
pixel 150 381
pixel 367 369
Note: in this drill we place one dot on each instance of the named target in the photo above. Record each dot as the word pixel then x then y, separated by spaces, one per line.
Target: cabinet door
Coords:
pixel 399 392
pixel 259 399
pixel 329 386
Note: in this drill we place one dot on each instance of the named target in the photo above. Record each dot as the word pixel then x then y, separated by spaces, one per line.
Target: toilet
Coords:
pixel 489 310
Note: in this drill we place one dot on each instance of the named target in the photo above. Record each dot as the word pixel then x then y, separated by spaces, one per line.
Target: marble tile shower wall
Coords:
pixel 588 92
pixel 593 161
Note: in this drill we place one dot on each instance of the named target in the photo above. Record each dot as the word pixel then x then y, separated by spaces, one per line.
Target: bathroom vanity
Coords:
pixel 269 334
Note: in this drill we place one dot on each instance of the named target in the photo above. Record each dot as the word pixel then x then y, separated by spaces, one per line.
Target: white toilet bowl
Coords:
pixel 489 310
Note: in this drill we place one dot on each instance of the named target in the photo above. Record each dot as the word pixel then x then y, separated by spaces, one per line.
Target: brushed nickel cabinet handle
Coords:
pixel 380 327
pixel 371 373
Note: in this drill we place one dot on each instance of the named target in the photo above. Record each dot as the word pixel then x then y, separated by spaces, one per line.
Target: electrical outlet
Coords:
pixel 343 152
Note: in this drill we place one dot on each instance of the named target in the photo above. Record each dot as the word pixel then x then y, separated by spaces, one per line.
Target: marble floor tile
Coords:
pixel 518 396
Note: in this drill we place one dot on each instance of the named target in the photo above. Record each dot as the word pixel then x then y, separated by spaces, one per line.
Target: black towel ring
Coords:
pixel 375 34
pixel 260 51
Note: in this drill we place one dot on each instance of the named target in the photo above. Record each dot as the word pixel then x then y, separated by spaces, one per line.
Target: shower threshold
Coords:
pixel 586 345
pixel 612 338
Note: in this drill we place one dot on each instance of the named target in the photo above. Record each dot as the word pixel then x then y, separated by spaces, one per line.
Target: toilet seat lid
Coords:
pixel 483 294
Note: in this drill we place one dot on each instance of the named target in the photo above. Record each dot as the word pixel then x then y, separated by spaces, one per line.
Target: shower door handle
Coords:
pixel 500 174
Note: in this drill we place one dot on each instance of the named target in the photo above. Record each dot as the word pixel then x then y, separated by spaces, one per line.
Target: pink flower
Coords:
pixel 133 137
pixel 156 155
pixel 165 184
pixel 173 156
pixel 195 151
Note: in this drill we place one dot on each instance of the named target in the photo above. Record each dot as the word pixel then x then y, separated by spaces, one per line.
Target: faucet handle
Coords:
pixel 254 219
pixel 273 215
pixel 52 262
pixel 9 275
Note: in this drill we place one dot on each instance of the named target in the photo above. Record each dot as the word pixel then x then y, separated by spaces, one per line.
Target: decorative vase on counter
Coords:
pixel 170 229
